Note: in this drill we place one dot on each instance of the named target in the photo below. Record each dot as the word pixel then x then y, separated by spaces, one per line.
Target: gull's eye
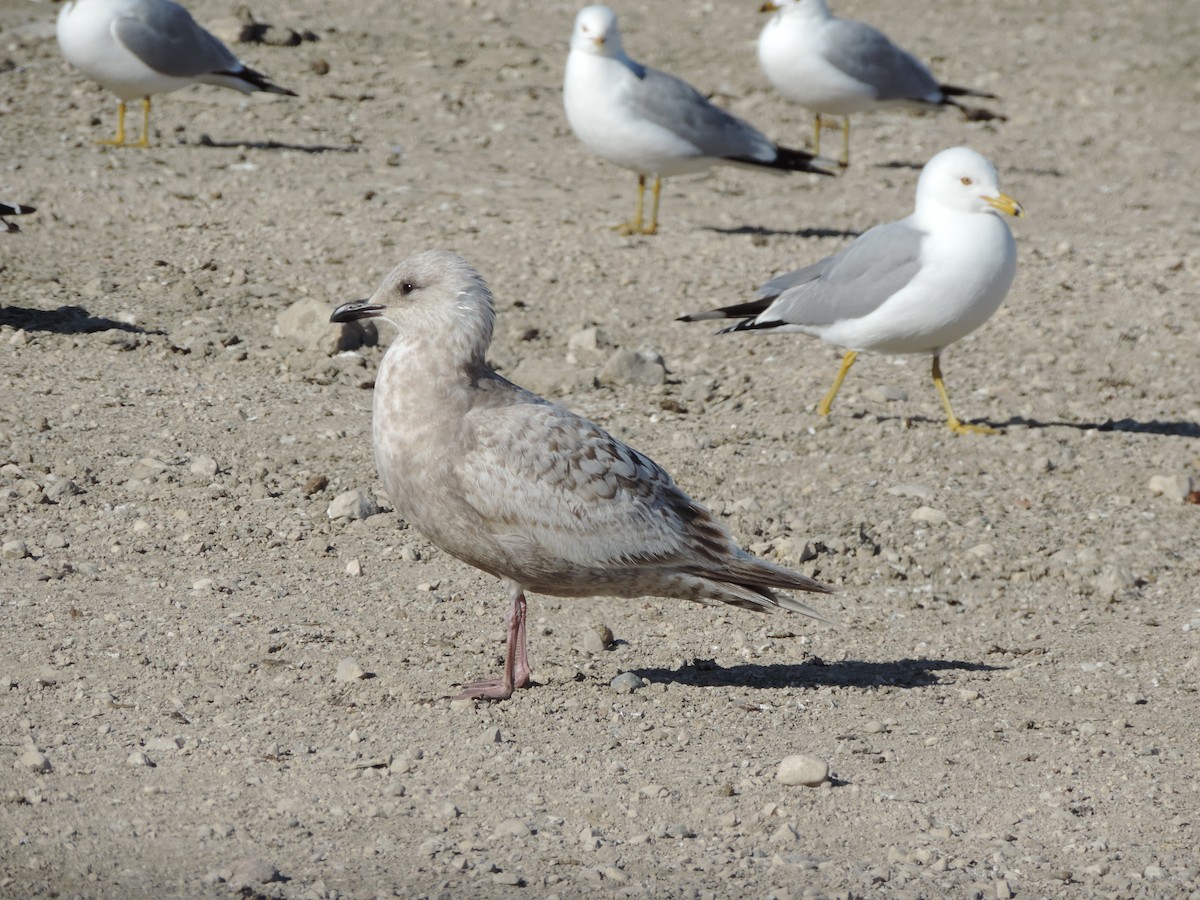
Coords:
pixel 967 181
pixel 406 288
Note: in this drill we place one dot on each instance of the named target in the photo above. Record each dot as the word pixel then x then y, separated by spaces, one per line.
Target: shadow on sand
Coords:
pixel 64 320
pixel 814 672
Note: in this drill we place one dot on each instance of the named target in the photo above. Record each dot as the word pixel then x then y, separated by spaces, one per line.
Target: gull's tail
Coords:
pixel 747 312
pixel 752 583
pixel 12 209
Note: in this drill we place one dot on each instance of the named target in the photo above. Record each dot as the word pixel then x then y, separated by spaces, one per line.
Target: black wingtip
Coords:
pixel 802 161
pixel 953 90
pixel 259 81
pixel 16 209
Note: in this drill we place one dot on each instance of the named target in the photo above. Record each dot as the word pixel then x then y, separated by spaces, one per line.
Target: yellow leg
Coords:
pixel 952 420
pixel 827 401
pixel 817 134
pixel 845 160
pixel 653 228
pixel 635 225
pixel 119 140
pixel 145 141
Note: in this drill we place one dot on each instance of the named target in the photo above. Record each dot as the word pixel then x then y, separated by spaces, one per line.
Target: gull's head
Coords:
pixel 596 32
pixel 433 297
pixel 965 181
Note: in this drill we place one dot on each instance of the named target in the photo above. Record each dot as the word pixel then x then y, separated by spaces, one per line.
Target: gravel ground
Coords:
pixel 212 688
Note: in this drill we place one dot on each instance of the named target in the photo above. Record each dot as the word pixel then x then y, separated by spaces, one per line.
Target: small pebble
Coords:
pixel 203 467
pixel 250 871
pixel 626 683
pixel 34 761
pixel 512 828
pixel 799 768
pixel 597 639
pixel 14 550
pixel 928 514
pixel 1172 487
pixel 348 669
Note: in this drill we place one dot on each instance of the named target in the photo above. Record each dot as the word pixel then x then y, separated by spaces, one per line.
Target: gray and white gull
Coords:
pixel 525 490
pixel 137 48
pixel 653 123
pixel 837 67
pixel 912 286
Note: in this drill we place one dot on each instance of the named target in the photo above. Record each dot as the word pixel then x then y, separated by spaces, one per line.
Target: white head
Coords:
pixel 596 32
pixel 962 180
pixel 434 298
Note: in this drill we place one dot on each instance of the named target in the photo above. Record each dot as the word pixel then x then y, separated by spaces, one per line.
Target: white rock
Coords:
pixel 203 467
pixel 354 568
pixel 138 758
pixel 512 828
pixel 884 393
pixel 355 504
pixel 14 550
pixel 597 639
pixel 306 324
pixel 1173 487
pixel 626 683
pixel 348 669
pixel 916 491
pixel 633 367
pixel 33 760
pixel 250 871
pixel 928 514
pixel 799 768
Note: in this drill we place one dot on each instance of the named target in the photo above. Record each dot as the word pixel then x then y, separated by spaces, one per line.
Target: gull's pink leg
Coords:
pixel 516 659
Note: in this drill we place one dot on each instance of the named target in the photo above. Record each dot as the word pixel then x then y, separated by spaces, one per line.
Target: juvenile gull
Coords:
pixel 838 67
pixel 912 286
pixel 13 209
pixel 136 48
pixel 523 489
pixel 651 122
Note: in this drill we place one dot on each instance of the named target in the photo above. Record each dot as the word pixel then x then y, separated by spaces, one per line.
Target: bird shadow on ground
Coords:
pixel 900 164
pixel 815 672
pixel 1127 426
pixel 206 141
pixel 64 320
pixel 799 232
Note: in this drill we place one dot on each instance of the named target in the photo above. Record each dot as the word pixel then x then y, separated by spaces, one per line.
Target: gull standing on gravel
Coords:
pixel 651 122
pixel 838 67
pixel 912 286
pixel 136 48
pixel 13 209
pixel 523 489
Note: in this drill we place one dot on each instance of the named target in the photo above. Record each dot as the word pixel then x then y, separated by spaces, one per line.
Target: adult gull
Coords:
pixel 651 122
pixel 837 67
pixel 912 286
pixel 136 48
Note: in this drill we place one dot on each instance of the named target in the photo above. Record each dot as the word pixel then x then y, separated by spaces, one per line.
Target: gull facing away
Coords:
pixel 838 67
pixel 523 489
pixel 13 209
pixel 912 286
pixel 136 48
pixel 651 122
